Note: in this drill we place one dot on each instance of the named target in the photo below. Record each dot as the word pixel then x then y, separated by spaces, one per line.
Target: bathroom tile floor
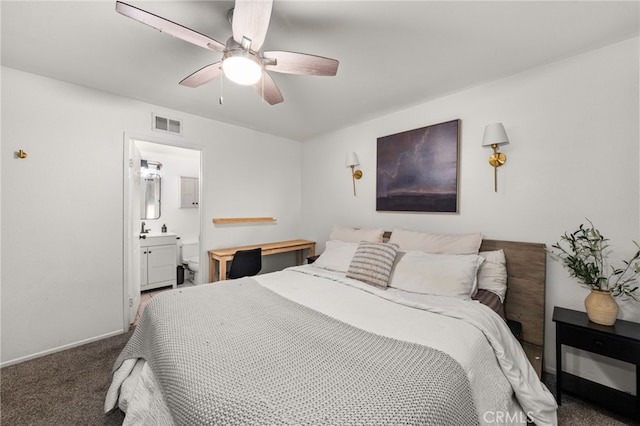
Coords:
pixel 145 296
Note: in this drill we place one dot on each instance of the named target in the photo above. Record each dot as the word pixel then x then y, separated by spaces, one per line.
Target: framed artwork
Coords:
pixel 417 170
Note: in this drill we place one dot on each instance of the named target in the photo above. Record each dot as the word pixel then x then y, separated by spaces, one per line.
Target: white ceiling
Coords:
pixel 393 54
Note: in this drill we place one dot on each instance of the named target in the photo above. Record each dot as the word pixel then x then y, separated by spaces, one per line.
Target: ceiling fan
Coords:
pixel 242 61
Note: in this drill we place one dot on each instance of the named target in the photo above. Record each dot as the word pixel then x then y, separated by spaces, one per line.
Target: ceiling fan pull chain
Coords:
pixel 221 98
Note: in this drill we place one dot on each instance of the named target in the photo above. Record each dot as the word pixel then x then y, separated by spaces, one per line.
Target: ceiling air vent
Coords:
pixel 165 124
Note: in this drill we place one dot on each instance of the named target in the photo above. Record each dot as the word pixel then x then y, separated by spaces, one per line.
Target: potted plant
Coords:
pixel 585 253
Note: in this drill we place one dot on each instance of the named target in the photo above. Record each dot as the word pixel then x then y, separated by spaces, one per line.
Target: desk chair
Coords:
pixel 245 263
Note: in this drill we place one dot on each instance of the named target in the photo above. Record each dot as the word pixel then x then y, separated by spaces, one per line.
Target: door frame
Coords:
pixel 128 234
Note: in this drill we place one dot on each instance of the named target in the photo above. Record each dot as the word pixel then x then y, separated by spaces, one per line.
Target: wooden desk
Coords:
pixel 218 258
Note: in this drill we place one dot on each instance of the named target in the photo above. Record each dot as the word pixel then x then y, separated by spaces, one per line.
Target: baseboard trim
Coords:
pixel 59 348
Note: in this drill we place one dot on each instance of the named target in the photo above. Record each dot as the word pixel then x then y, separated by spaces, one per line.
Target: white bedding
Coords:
pixel 503 383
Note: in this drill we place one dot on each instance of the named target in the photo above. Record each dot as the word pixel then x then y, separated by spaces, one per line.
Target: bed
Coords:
pixel 345 340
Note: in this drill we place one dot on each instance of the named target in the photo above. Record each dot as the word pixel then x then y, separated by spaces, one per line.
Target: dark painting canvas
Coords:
pixel 417 170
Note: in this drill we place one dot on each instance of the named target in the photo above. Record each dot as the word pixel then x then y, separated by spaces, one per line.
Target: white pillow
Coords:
pixel 437 243
pixel 492 275
pixel 354 235
pixel 438 274
pixel 336 256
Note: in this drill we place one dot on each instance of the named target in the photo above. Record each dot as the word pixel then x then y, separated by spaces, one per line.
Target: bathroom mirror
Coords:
pixel 150 197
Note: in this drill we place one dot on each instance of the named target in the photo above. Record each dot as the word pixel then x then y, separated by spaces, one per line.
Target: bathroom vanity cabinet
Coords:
pixel 158 254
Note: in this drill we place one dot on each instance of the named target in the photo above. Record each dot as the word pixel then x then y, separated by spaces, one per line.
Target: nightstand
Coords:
pixel 620 341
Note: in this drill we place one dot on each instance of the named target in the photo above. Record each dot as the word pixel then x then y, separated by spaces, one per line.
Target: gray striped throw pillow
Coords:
pixel 372 263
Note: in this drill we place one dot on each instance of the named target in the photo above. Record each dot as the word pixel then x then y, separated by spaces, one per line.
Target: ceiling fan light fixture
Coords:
pixel 242 67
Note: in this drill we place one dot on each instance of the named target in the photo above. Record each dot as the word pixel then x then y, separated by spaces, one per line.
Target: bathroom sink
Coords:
pixel 158 239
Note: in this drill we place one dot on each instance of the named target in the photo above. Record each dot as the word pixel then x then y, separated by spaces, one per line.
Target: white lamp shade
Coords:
pixel 494 134
pixel 351 160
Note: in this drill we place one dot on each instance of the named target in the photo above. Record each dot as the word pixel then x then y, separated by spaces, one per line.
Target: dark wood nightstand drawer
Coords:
pixel 600 343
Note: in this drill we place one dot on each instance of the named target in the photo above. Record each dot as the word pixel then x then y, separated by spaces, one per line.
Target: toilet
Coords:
pixel 189 257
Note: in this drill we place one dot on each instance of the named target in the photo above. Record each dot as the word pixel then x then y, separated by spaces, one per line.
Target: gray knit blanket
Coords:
pixel 240 354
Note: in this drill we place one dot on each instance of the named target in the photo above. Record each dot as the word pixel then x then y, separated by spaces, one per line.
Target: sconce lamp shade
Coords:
pixel 351 160
pixel 494 134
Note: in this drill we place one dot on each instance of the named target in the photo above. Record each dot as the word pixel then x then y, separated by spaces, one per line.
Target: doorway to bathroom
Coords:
pixel 155 172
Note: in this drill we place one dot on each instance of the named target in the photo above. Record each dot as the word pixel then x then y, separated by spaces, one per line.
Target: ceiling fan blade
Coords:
pixel 251 20
pixel 169 27
pixel 203 75
pixel 301 63
pixel 268 89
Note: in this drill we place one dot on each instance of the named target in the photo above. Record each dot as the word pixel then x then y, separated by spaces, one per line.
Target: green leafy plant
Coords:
pixel 585 254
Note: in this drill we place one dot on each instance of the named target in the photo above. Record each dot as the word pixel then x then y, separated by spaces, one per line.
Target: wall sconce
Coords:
pixel 494 136
pixel 352 161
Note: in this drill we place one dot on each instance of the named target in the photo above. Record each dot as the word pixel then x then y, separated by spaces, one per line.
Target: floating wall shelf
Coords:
pixel 225 220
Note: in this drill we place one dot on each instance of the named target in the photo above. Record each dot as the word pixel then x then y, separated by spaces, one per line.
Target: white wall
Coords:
pixel 62 207
pixel 574 135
